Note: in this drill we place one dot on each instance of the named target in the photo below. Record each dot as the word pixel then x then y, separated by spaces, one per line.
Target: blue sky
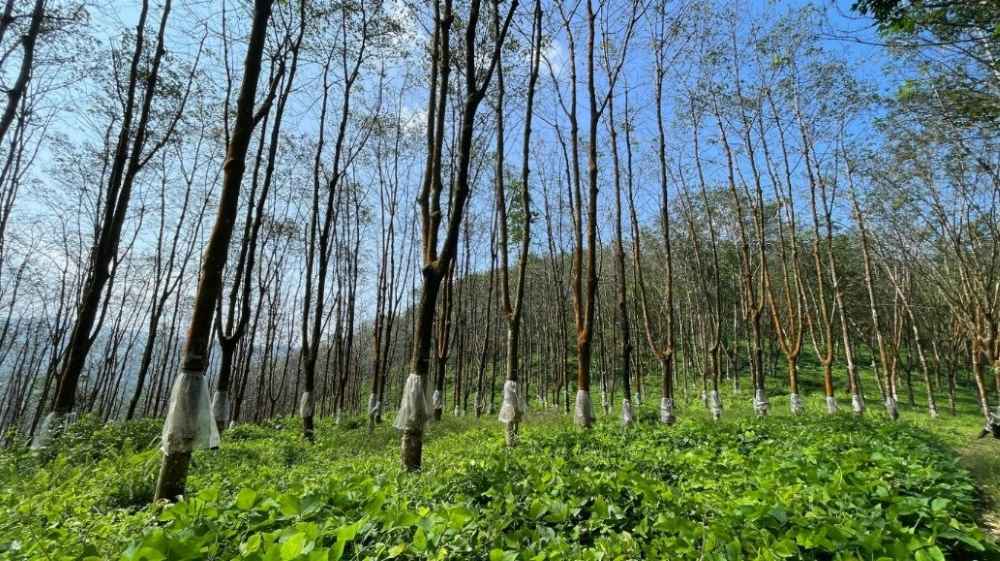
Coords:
pixel 845 35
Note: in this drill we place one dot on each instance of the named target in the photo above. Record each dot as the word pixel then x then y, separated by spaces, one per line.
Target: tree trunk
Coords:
pixel 178 445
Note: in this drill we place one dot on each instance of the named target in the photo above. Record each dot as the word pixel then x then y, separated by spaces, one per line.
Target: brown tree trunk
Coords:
pixel 16 91
pixel 621 291
pixel 436 265
pixel 178 446
pixel 128 160
pixel 511 411
pixel 890 381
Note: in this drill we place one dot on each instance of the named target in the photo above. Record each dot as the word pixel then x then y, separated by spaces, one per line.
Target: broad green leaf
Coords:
pixel 251 545
pixel 289 504
pixel 246 498
pixel 349 532
pixel 293 547
pixel 459 516
pixel 939 504
pixel 419 541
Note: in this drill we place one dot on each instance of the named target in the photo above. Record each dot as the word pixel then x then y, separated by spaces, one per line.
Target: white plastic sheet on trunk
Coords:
pixel 760 403
pixel 795 403
pixel 373 405
pixel 584 411
pixel 221 408
pixel 715 404
pixel 993 423
pixel 437 401
pixel 413 408
pixel 857 404
pixel 831 404
pixel 511 410
pixel 428 400
pixel 627 412
pixel 890 406
pixel 307 405
pixel 666 410
pixel 189 425
pixel 51 424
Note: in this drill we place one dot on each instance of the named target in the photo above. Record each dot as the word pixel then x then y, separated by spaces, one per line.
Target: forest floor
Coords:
pixel 810 487
pixel 983 460
pixel 980 456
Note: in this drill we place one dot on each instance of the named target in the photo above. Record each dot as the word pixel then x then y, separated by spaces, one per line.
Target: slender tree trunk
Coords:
pixel 127 161
pixel 182 435
pixel 890 388
pixel 413 414
pixel 16 91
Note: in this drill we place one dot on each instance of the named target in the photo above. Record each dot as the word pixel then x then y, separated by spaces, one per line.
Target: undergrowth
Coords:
pixel 813 487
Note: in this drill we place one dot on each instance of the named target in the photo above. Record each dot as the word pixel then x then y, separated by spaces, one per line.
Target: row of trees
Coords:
pixel 287 207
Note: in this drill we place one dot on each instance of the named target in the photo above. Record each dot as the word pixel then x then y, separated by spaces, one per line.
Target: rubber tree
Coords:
pixel 170 265
pixel 902 284
pixel 437 257
pixel 231 326
pixel 484 348
pixel 752 255
pixel 443 341
pixel 662 347
pixel 511 410
pixel 618 250
pixel 585 276
pixel 388 140
pixel 28 41
pixel 709 274
pixel 129 155
pixel 788 315
pixel 188 423
pixel 820 314
pixel 326 190
pixel 876 318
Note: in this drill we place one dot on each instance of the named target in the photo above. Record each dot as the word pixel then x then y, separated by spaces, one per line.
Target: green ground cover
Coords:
pixel 812 487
